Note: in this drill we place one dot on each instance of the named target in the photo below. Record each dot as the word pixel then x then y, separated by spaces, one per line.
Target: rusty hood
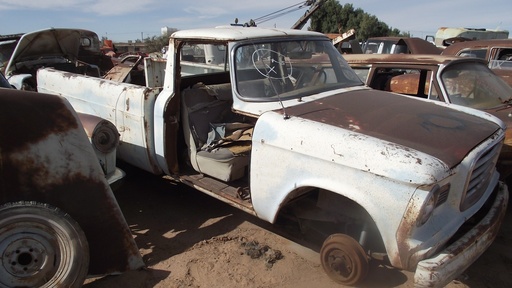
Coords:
pixel 52 42
pixel 428 127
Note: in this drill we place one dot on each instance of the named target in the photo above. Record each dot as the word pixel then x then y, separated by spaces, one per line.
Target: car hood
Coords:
pixel 46 43
pixel 425 126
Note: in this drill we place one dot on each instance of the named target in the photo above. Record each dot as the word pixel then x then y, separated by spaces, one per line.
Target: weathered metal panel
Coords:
pixel 409 83
pixel 288 154
pixel 154 71
pixel 129 107
pixel 419 125
pixel 46 157
pixel 104 139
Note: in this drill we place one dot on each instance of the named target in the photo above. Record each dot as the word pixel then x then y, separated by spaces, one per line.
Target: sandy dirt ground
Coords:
pixel 189 239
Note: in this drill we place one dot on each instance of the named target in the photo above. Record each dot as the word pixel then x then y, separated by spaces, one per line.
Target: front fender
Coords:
pixel 288 154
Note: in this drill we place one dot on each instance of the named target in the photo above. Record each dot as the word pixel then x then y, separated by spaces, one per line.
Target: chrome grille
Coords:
pixel 480 177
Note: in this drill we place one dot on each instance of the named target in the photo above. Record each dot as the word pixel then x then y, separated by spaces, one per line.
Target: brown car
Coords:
pixel 458 80
pixel 498 53
pixel 398 45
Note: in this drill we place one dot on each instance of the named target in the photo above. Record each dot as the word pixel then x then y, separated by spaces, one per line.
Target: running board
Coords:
pixel 226 192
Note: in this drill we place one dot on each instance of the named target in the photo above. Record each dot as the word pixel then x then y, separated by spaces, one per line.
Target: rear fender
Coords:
pixel 47 157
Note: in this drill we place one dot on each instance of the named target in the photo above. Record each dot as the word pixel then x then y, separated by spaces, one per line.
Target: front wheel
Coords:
pixel 343 259
pixel 41 246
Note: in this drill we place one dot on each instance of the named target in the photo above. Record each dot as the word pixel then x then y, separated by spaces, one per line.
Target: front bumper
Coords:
pixel 452 261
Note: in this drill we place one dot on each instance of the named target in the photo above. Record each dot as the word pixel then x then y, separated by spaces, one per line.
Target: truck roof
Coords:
pixel 241 33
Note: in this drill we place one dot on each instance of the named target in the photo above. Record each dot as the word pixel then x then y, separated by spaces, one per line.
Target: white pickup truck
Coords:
pixel 276 123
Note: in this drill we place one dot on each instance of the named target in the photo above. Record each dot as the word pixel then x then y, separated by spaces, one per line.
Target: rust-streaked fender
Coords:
pixel 46 157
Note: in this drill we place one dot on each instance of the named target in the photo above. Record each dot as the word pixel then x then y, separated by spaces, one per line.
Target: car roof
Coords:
pixel 415 45
pixel 417 59
pixel 456 47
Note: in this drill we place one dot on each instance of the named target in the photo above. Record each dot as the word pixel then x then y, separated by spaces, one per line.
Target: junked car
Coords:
pixel 457 80
pixel 25 53
pixel 398 45
pixel 104 139
pixel 497 52
pixel 59 219
pixel 72 50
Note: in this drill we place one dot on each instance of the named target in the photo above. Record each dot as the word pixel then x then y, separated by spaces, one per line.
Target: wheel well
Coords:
pixel 318 213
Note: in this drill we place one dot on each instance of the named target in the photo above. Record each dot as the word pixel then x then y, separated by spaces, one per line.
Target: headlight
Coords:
pixel 428 206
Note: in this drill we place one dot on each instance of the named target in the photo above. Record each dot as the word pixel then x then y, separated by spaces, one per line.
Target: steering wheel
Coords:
pixel 319 77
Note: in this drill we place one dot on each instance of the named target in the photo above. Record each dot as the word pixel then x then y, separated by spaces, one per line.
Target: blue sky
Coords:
pixel 135 19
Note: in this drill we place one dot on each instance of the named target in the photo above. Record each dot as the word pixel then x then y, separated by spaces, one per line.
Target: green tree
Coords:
pixel 332 17
pixel 156 43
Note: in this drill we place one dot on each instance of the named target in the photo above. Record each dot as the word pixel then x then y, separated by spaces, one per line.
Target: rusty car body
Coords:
pixel 104 139
pixel 73 50
pixel 497 52
pixel 59 219
pixel 63 48
pixel 450 79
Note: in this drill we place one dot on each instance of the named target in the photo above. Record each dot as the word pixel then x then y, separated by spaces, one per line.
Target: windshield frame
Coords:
pixel 258 64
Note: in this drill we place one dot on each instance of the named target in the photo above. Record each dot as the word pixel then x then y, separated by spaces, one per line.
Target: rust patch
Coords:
pixel 50 115
pixel 407 122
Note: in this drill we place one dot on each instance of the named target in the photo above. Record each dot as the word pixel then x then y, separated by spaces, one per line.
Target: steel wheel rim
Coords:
pixel 28 254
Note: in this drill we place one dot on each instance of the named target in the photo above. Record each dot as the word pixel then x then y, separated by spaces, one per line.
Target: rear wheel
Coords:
pixel 343 259
pixel 41 246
